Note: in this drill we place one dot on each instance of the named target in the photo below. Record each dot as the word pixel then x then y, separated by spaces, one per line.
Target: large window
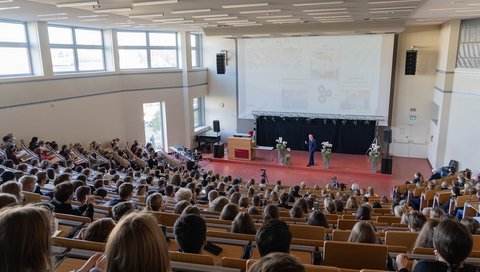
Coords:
pixel 76 49
pixel 196 43
pixel 147 50
pixel 198 109
pixel 14 50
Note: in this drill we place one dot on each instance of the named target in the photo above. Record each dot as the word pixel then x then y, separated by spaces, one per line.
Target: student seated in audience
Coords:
pixel 296 212
pixel 218 204
pixel 135 244
pixel 14 188
pixel 270 212
pixel 273 236
pixel 183 194
pixel 98 230
pixel 436 213
pixel 329 206
pixel 7 200
pixel 363 232
pixel 42 180
pixel 191 210
pixel 28 183
pixel 25 235
pixel 453 243
pixel 284 201
pixel 82 192
pixel 180 206
pixel 122 209
pixel 169 194
pixel 63 194
pixel 277 262
pixel 155 203
pixel 425 236
pixel 243 223
pixel 416 220
pixel 125 192
pixel 317 218
pixel 7 176
pixel 229 212
pixel 190 233
pixel 471 224
pixel 364 212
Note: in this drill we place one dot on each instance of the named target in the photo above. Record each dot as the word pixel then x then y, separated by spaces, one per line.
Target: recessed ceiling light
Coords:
pixel 324 10
pixel 209 16
pixel 51 14
pixel 93 16
pixel 327 13
pixel 190 11
pixel 391 2
pixel 112 10
pixel 221 18
pixel 6 1
pixel 394 8
pixel 260 11
pixel 168 20
pixel 317 3
pixel 56 18
pixel 146 15
pixel 151 3
pixel 274 16
pixel 245 5
pixel 93 20
pixel 283 20
pixel 77 4
pixel 447 9
pixel 390 11
pixel 5 8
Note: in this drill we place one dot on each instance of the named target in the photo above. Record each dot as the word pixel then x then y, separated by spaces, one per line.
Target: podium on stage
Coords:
pixel 240 148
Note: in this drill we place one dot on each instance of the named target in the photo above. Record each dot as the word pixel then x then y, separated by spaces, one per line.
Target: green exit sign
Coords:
pixel 413 117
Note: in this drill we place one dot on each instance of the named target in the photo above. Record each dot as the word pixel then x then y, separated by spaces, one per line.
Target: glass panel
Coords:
pixel 196 118
pixel 90 59
pixel 88 37
pixel 195 103
pixel 194 58
pixel 60 35
pixel 132 38
pixel 163 58
pixel 133 59
pixel 62 60
pixel 163 39
pixel 10 32
pixel 17 59
pixel 153 122
pixel 193 39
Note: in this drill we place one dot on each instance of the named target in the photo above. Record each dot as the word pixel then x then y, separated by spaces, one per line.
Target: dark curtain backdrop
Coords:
pixel 347 136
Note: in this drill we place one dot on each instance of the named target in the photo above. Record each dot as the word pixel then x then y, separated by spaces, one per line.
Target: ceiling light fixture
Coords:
pixel 168 20
pixel 139 16
pixel 93 16
pixel 77 4
pixel 6 1
pixel 190 11
pixel 221 18
pixel 317 3
pixel 112 10
pixel 56 18
pixel 152 3
pixel 324 10
pixel 51 14
pixel 274 16
pixel 391 2
pixel 260 11
pixel 6 8
pixel 245 5
pixel 210 16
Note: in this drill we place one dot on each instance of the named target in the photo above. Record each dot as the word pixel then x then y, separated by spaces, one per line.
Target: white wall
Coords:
pixel 221 102
pixel 98 107
pixel 410 137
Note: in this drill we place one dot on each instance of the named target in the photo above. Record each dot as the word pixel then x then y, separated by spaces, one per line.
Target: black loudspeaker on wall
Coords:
pixel 411 62
pixel 387 135
pixel 218 150
pixel 221 63
pixel 216 126
pixel 387 165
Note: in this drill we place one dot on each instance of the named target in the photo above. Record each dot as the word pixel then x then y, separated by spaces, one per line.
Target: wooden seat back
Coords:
pixel 190 258
pixel 388 219
pixel 401 238
pixel 77 244
pixel 341 235
pixel 360 256
pixel 166 219
pixel 307 232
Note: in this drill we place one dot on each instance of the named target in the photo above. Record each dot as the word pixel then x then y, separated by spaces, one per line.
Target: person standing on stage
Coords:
pixel 312 145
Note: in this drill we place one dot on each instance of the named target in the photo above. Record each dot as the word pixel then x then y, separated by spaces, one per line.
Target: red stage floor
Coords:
pixel 347 168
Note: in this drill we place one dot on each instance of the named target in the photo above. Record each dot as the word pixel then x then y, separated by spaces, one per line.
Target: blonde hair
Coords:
pixel 154 202
pixel 137 244
pixel 25 235
pixel 363 232
pixel 26 180
pixel 11 187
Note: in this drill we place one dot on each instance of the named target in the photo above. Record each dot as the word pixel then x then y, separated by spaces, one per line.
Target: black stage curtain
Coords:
pixel 347 136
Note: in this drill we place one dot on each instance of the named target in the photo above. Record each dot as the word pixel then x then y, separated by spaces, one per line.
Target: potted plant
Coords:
pixel 374 155
pixel 326 153
pixel 280 146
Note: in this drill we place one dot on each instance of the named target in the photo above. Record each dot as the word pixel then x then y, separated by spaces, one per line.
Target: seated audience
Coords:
pixel 363 232
pixel 98 230
pixel 229 212
pixel 28 183
pixel 63 194
pixel 190 233
pixel 273 236
pixel 416 220
pixel 277 262
pixel 122 209
pixel 425 236
pixel 218 204
pixel 471 224
pixel 125 192
pixel 155 203
pixel 317 218
pixel 7 200
pixel 13 188
pixel 453 244
pixel 296 212
pixel 270 212
pixel 180 206
pixel 363 213
pixel 243 223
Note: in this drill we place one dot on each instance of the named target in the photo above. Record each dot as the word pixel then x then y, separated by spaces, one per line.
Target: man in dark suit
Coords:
pixel 312 145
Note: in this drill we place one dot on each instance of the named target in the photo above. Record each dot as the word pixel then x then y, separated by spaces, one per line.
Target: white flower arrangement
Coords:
pixel 281 144
pixel 374 153
pixel 326 151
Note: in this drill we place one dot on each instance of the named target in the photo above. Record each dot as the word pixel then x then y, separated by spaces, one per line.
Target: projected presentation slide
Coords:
pixel 340 75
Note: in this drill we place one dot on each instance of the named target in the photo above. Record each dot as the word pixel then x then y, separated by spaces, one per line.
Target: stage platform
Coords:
pixel 346 167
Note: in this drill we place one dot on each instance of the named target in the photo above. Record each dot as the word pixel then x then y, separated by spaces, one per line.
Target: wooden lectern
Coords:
pixel 241 148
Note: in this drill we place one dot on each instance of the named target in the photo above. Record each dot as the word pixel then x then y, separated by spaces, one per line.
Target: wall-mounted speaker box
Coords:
pixel 216 126
pixel 218 150
pixel 221 63
pixel 411 62
pixel 387 135
pixel 387 165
